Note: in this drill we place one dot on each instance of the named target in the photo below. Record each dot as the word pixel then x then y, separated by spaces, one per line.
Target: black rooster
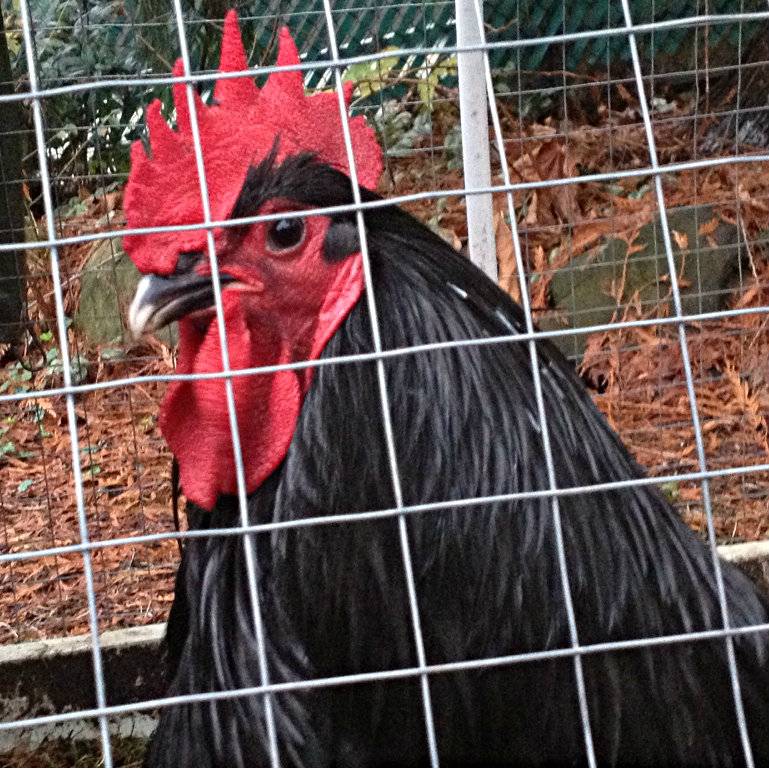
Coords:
pixel 465 423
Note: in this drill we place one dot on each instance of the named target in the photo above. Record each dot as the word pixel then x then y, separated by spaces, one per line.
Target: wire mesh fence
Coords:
pixel 627 213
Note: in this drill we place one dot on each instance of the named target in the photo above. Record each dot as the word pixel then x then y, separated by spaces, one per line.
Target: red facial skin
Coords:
pixel 265 327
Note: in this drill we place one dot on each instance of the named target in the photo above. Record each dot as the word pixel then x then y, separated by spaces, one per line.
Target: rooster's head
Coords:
pixel 287 283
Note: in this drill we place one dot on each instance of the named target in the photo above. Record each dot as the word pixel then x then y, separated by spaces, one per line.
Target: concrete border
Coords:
pixel 54 676
pixel 745 551
pixel 752 558
pixel 110 640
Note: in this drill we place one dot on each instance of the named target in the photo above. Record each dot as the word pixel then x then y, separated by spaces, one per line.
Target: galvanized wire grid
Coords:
pixel 423 670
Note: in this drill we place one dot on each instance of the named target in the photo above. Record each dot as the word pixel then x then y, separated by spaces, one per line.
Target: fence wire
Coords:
pixel 517 193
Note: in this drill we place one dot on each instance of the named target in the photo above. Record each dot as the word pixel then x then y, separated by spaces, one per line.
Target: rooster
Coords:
pixel 334 598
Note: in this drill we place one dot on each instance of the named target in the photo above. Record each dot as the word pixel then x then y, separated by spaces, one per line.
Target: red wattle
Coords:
pixel 194 418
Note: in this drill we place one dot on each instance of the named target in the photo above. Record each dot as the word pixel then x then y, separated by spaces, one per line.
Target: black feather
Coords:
pixel 488 583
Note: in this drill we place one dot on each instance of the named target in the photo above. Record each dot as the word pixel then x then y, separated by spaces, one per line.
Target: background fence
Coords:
pixel 633 136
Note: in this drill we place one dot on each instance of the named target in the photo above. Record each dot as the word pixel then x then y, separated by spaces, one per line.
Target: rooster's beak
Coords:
pixel 160 300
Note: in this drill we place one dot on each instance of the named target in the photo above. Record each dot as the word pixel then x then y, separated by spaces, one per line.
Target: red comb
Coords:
pixel 237 131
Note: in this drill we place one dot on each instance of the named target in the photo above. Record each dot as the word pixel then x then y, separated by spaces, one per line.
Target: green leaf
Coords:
pixel 9 447
pixel 670 490
pixel 24 485
pixel 371 76
pixel 37 413
pixel 112 353
pixel 79 369
pixel 46 336
pixel 74 206
pixel 436 70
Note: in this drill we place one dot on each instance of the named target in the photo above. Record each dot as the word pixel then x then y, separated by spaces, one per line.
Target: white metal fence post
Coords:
pixel 475 141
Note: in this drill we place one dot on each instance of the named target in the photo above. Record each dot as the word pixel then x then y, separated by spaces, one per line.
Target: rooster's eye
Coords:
pixel 284 234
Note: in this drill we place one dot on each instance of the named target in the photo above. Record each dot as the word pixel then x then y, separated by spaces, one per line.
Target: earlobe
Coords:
pixel 341 240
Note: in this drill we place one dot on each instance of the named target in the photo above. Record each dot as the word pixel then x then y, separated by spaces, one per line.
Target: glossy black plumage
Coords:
pixel 334 600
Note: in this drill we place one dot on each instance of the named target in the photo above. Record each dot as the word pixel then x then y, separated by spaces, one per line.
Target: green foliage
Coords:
pixel 403 122
pixel 17 377
pixel 54 367
pixel 89 132
pixel 76 41
pixel 437 69
pixel 671 491
pixel 398 128
pixel 370 77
